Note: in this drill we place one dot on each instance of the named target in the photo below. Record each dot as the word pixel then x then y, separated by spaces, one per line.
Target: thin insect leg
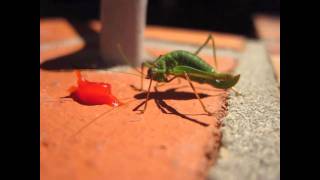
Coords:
pixel 141 85
pixel 214 52
pixel 159 85
pixel 172 79
pixel 197 95
pixel 145 105
pixel 236 91
pixel 202 46
pixel 213 49
pixel 124 57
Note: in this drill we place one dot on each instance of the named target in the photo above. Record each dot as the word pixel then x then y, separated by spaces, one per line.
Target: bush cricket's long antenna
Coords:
pixel 127 59
pixel 113 71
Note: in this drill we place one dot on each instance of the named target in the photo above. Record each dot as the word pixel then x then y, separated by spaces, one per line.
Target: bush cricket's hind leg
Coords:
pixel 141 85
pixel 236 91
pixel 213 49
pixel 197 95
pixel 214 56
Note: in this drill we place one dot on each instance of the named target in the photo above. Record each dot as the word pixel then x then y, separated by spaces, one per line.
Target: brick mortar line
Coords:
pixel 251 133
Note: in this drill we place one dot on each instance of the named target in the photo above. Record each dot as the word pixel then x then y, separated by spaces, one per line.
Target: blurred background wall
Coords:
pixel 232 16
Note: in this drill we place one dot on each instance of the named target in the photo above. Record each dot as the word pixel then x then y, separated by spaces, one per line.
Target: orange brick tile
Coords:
pixel 58 38
pixel 174 139
pixel 195 37
pixel 59 51
pixel 56 29
pixel 268 27
pixel 188 36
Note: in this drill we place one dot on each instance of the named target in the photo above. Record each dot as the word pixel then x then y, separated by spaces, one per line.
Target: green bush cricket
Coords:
pixel 189 66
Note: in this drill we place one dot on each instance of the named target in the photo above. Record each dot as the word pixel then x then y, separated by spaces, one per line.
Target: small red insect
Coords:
pixel 92 93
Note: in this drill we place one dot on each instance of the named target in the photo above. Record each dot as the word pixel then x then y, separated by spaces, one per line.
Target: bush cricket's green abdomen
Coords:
pixel 185 58
pixel 178 62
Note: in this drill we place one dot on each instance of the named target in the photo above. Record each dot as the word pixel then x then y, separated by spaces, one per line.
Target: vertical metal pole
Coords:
pixel 123 22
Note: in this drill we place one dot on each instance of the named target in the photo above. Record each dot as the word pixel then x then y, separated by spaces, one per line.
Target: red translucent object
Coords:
pixel 92 93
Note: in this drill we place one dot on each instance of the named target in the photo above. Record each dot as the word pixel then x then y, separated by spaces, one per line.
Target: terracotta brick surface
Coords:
pixel 56 29
pixel 268 27
pixel 189 36
pixel 59 29
pixel 59 50
pixel 59 35
pixel 58 38
pixel 174 139
pixel 195 37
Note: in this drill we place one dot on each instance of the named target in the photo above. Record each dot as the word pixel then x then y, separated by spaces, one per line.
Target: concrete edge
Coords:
pixel 251 131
